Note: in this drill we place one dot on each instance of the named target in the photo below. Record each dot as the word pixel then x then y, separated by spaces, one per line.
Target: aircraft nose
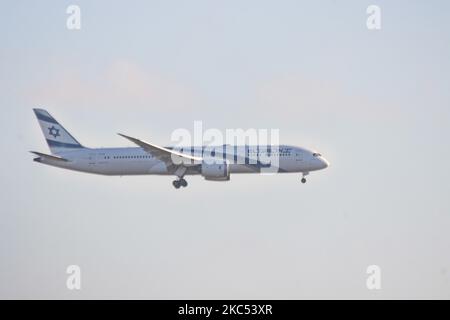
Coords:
pixel 324 163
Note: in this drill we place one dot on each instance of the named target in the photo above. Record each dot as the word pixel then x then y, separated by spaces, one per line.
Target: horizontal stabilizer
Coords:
pixel 48 157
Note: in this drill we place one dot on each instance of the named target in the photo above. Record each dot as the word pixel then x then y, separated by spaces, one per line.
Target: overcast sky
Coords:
pixel 376 104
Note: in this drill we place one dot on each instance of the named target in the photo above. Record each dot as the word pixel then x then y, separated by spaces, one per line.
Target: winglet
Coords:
pixel 136 141
pixel 126 137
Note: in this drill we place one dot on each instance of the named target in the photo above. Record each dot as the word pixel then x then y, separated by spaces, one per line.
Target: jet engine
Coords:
pixel 216 171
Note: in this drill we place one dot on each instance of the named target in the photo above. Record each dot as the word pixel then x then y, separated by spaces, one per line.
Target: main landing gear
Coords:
pixel 303 177
pixel 179 183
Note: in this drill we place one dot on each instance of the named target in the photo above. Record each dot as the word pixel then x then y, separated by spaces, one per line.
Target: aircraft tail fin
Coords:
pixel 58 138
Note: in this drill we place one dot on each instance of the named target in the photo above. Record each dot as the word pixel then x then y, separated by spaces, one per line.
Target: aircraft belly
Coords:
pixel 245 168
pixel 132 168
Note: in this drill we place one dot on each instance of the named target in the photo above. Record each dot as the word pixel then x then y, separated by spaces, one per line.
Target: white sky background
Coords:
pixel 375 103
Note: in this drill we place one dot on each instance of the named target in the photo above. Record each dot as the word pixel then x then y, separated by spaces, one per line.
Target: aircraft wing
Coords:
pixel 170 157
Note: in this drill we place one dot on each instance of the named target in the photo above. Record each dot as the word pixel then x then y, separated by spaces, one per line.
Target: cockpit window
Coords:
pixel 316 154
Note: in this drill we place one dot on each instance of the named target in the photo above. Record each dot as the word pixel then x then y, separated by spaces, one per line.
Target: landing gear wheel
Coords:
pixel 183 183
pixel 304 174
pixel 176 184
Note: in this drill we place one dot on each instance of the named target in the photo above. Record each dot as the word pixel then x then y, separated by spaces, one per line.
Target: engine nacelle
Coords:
pixel 216 171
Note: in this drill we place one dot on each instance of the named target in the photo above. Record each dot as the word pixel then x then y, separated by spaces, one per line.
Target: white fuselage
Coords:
pixel 137 161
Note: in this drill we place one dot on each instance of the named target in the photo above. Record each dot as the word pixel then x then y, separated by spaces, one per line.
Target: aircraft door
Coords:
pixel 92 159
pixel 298 156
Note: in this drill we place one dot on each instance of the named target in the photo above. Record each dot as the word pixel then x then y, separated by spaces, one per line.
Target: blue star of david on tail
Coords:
pixel 53 132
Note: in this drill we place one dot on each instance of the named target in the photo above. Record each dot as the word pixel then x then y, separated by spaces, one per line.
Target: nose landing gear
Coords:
pixel 304 174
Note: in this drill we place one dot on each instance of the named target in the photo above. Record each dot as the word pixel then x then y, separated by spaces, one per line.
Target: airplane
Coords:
pixel 214 163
